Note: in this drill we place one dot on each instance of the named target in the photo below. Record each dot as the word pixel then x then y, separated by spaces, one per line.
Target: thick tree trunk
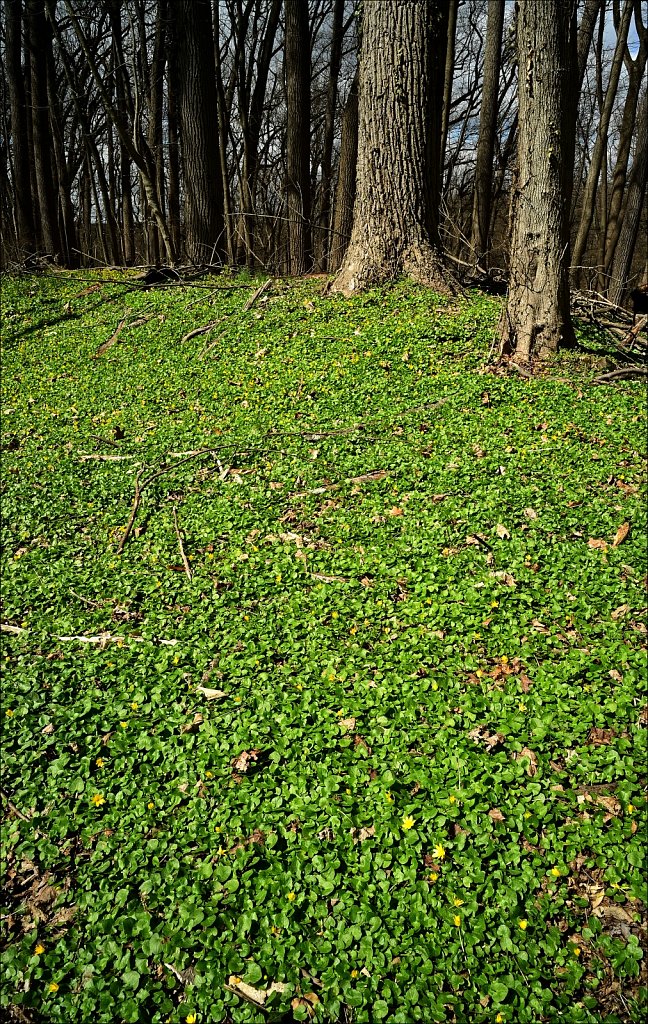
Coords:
pixel 346 182
pixel 448 77
pixel 482 196
pixel 536 319
pixel 637 184
pixel 203 207
pixel 24 214
pixel 297 77
pixel 395 220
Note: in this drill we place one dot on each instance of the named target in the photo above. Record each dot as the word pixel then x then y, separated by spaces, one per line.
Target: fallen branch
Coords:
pixel 201 330
pixel 122 325
pixel 100 638
pixel 257 295
pixel 131 520
pixel 12 807
pixel 623 373
pixel 106 458
pixel 187 567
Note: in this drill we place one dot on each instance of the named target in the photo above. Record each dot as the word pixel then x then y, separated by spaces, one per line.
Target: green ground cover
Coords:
pixel 386 746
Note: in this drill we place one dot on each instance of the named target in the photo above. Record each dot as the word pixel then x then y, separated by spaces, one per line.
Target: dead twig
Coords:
pixel 377 474
pixel 623 373
pixel 131 520
pixel 121 326
pixel 257 295
pixel 12 807
pixel 201 330
pixel 185 562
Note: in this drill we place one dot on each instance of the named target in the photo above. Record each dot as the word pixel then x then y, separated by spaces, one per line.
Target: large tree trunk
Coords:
pixel 482 196
pixel 395 220
pixel 297 75
pixel 537 318
pixel 23 207
pixel 203 208
pixel 637 183
pixel 346 182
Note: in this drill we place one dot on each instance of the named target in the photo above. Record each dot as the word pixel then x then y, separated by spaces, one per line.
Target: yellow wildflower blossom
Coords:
pixel 408 822
pixel 98 799
pixel 439 852
pixel 53 987
pixel 191 1018
pixel 499 1019
pixel 100 762
pixel 523 925
pixel 124 725
pixel 456 920
pixel 291 896
pixel 555 872
pixel 433 876
pixel 354 973
pixel 458 903
pixel 39 949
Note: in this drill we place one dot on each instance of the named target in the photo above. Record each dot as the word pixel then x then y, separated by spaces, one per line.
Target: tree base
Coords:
pixel 366 267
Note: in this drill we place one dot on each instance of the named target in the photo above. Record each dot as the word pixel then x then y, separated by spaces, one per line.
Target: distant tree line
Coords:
pixel 249 133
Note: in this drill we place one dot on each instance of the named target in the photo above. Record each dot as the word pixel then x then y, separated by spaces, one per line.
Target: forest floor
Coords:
pixel 355 723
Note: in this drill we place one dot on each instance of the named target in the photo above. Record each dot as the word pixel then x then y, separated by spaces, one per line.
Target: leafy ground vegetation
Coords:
pixel 354 725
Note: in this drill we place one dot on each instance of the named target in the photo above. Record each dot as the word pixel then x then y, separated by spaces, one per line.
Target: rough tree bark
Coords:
pixel 482 196
pixel 395 219
pixel 453 10
pixel 637 184
pixel 39 45
pixel 297 75
pixel 346 181
pixel 203 207
pixel 23 207
pixel 536 319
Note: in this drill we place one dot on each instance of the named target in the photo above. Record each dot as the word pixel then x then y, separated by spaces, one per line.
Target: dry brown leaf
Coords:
pixel 525 683
pixel 601 737
pixel 613 674
pixel 540 626
pixel 596 543
pixel 254 995
pixel 359 835
pixel 395 511
pixel 244 759
pixel 620 612
pixel 530 513
pixel 502 532
pixel 48 729
pixel 347 724
pixel 495 814
pixel 621 534
pixel 531 768
pixel 209 694
pixel 190 726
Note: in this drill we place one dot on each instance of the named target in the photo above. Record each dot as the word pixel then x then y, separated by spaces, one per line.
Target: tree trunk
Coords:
pixel 448 76
pixel 203 205
pixel 395 219
pixel 23 207
pixel 297 78
pixel 637 183
pixel 324 204
pixel 346 181
pixel 636 68
pixel 481 214
pixel 537 318
pixel 591 185
pixel 39 45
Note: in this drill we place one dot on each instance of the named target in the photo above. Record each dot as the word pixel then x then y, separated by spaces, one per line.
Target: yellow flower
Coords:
pixel 523 925
pixel 452 799
pixel 275 930
pixel 334 615
pixel 456 920
pixel 504 660
pixel 555 872
pixel 53 987
pixel 291 896
pixel 527 814
pixel 9 713
pixel 439 852
pixel 631 808
pixel 191 1018
pixel 494 604
pixel 522 707
pixel 433 876
pixel 354 974
pixel 457 902
pixel 389 798
pixel 150 805
pixel 124 725
pixel 499 1019
pixel 577 951
pixel 434 686
pixel 220 851
pixel 408 822
pixel 479 673
pixel 209 775
pixel 134 706
pixel 39 949
pixel 98 799
pixel 100 762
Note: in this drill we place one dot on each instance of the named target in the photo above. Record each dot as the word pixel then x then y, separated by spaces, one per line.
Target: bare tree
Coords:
pixel 481 215
pixel 297 78
pixel 395 220
pixel 536 319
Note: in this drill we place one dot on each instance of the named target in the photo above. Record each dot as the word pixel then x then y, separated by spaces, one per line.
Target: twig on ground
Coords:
pixel 201 330
pixel 100 638
pixel 96 457
pixel 623 373
pixel 257 295
pixel 185 562
pixel 122 325
pixel 377 474
pixel 12 807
